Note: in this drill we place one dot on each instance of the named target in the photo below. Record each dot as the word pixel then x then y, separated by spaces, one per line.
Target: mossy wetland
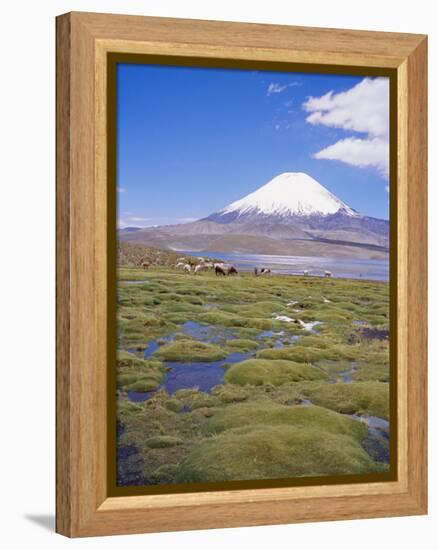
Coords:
pixel 244 377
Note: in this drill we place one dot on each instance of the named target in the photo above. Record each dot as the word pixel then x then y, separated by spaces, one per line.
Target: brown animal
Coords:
pixel 232 271
pixel 145 265
pixel 219 271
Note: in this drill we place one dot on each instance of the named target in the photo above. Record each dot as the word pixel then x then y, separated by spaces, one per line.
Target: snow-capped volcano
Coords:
pixel 289 194
pixel 291 214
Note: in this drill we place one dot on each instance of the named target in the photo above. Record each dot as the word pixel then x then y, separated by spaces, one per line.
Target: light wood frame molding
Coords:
pixel 83 505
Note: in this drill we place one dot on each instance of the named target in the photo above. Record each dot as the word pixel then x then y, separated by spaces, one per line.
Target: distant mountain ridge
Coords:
pixel 292 214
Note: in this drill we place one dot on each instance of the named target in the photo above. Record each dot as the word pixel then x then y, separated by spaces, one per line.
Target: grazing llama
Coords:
pixel 219 271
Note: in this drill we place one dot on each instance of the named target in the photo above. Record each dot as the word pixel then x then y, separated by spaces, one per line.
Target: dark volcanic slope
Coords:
pixel 263 238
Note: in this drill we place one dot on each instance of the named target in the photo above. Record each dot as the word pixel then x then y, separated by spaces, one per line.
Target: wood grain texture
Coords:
pixel 225 36
pixel 417 273
pixel 63 410
pixel 250 41
pixel 401 212
pixel 83 41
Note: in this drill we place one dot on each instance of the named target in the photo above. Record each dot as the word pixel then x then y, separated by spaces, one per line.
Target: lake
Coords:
pixel 377 270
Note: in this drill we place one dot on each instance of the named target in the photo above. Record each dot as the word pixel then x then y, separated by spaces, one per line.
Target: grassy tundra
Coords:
pixel 290 398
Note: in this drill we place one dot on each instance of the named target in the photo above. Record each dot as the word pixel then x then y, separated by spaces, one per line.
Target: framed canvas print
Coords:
pixel 241 276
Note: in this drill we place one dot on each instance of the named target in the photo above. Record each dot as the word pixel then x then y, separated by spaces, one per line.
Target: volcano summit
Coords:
pixel 287 195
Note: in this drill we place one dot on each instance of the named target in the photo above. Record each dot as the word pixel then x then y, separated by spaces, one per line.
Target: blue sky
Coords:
pixel 191 140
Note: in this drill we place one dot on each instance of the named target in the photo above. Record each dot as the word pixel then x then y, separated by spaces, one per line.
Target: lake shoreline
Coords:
pixel 373 270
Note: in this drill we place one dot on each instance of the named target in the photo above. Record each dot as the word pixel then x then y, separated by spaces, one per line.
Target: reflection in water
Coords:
pixel 196 375
pixel 200 375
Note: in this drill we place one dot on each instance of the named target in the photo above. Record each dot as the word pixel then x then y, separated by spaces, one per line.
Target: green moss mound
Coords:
pixel 274 371
pixel 335 368
pixel 136 374
pixel 189 351
pixel 162 441
pixel 145 384
pixel 269 452
pixel 229 393
pixel 258 309
pixel 126 359
pixel 127 409
pixel 241 344
pixel 304 354
pixel 272 414
pixel 164 473
pixel 362 398
pixel 193 399
pixel 226 319
pixel 371 372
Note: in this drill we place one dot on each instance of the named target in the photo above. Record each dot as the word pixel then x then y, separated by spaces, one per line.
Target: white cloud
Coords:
pixel 275 88
pixel 138 219
pixel 121 189
pixel 362 109
pixel 359 152
pixel 121 223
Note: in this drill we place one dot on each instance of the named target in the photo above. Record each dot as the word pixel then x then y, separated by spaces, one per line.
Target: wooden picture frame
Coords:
pixel 84 43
